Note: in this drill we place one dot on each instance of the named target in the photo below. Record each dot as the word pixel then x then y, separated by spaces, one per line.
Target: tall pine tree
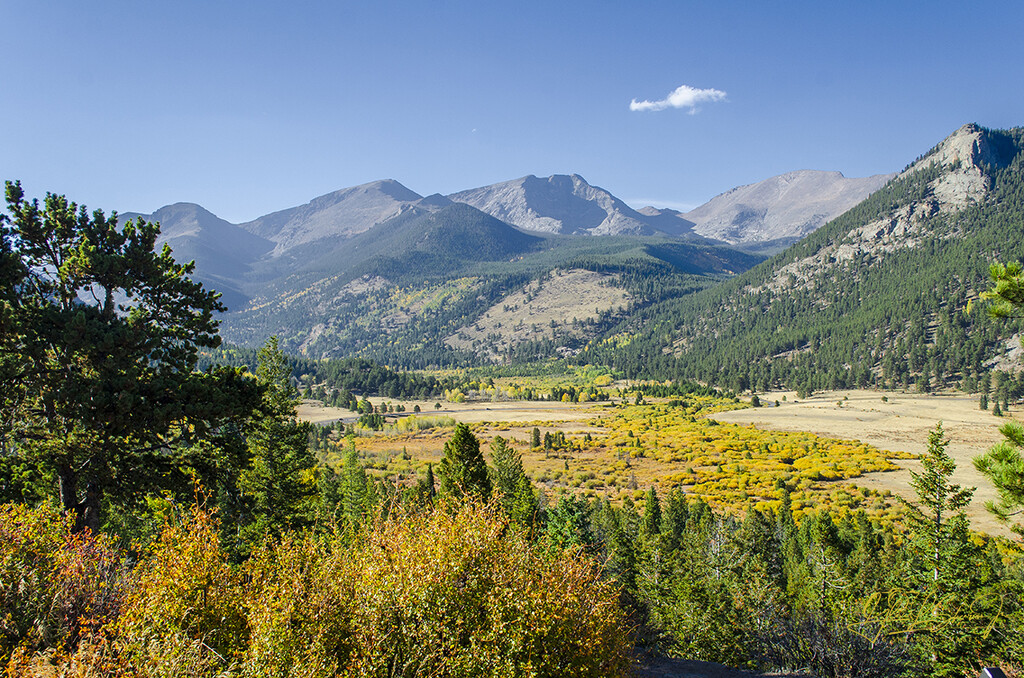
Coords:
pixel 463 470
pixel 279 480
pixel 513 487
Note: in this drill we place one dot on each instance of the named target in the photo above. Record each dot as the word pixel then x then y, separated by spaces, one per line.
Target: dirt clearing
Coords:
pixel 569 417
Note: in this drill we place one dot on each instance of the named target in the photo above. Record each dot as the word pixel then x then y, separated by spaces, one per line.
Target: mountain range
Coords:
pixel 240 259
pixel 873 290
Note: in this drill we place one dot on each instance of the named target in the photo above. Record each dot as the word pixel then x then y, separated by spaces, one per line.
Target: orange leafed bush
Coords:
pixel 438 593
pixel 55 586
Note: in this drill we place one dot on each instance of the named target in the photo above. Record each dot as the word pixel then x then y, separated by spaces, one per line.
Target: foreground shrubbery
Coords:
pixel 429 593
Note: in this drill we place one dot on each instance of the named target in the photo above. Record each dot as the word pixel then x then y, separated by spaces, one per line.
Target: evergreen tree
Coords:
pixel 278 479
pixel 331 500
pixel 355 486
pixel 1007 290
pixel 1004 466
pixel 569 522
pixel 430 482
pixel 463 470
pixel 677 513
pixel 513 487
pixel 101 334
pixel 651 523
pixel 953 614
pixel 937 518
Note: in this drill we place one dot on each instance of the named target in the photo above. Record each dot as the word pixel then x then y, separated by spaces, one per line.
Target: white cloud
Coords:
pixel 683 96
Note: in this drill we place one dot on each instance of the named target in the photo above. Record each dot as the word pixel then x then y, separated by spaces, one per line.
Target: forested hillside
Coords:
pixel 396 292
pixel 878 297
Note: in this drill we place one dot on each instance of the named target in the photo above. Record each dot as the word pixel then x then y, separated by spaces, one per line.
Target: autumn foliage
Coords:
pixel 437 593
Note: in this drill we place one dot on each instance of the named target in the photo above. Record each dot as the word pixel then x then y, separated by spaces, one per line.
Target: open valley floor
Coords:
pixel 895 423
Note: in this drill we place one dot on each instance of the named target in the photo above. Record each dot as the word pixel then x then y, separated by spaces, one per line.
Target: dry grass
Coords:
pixel 901 424
pixel 541 307
pixel 567 416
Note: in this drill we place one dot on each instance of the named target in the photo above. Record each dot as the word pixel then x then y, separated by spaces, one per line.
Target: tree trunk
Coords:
pixel 90 510
pixel 85 511
pixel 67 487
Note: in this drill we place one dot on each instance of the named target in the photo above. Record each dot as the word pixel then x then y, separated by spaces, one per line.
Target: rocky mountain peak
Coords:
pixel 778 211
pixel 959 170
pixel 965 155
pixel 968 147
pixel 560 203
pixel 338 214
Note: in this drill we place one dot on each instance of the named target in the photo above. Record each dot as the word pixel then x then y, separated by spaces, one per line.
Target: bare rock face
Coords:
pixel 963 154
pixel 781 210
pixel 564 204
pixel 963 160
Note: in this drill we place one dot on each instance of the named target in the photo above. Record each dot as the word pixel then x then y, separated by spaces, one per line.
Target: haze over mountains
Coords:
pixel 343 213
pixel 758 217
pixel 565 205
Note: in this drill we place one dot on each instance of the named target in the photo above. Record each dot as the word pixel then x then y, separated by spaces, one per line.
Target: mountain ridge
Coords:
pixel 345 212
pixel 563 204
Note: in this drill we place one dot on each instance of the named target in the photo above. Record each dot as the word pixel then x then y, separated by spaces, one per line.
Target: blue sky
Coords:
pixel 251 107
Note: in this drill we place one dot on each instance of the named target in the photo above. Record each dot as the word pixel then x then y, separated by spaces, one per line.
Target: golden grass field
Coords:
pixel 715 461
pixel 901 424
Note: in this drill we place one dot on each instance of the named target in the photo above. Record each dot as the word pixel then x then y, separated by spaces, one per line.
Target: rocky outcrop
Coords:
pixel 965 157
pixel 964 154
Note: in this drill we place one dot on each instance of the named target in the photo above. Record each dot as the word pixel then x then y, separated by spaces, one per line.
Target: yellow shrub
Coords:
pixel 183 616
pixel 300 611
pixel 467 594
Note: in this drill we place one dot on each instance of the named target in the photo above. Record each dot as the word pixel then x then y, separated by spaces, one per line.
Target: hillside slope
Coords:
pixel 224 253
pixel 876 297
pixel 397 292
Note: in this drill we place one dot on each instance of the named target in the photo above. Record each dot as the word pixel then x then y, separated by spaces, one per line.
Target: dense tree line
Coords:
pixel 339 380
